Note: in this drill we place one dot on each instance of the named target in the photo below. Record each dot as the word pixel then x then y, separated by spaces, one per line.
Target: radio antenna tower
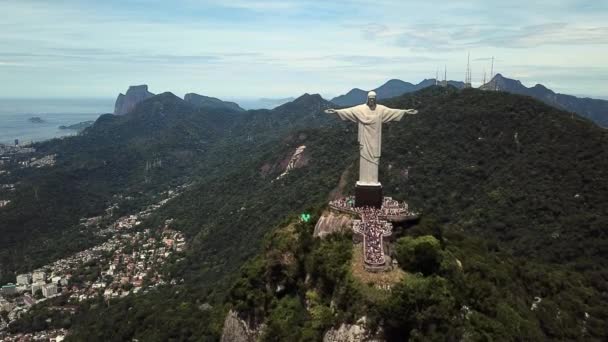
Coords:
pixel 484 77
pixel 437 76
pixel 467 77
pixel 445 75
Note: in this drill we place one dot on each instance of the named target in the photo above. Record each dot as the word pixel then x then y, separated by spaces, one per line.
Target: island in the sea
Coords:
pixel 78 126
pixel 36 119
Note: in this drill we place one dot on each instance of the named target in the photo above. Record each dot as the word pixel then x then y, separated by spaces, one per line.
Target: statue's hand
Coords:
pixel 412 111
pixel 330 111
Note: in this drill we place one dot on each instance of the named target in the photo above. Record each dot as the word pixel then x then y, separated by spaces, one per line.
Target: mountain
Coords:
pixel 126 102
pixel 389 89
pixel 353 96
pixel 513 217
pixel 593 109
pixel 307 103
pixel 201 101
pixel 499 251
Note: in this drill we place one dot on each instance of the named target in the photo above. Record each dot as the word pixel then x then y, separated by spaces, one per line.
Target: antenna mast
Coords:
pixel 467 77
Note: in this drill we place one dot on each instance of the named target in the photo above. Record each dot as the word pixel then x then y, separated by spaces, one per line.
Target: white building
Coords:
pixel 49 290
pixel 37 286
pixel 38 276
pixel 24 279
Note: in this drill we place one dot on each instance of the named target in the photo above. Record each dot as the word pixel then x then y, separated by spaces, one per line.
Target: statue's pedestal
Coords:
pixel 368 195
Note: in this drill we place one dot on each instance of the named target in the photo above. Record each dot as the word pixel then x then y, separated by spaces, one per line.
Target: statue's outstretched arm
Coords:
pixel 390 114
pixel 344 114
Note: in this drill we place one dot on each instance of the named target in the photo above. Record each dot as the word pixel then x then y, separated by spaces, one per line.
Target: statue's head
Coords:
pixel 371 99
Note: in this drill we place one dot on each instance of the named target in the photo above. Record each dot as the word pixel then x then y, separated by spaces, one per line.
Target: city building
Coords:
pixel 38 276
pixel 24 279
pixel 49 290
pixel 9 289
pixel 37 286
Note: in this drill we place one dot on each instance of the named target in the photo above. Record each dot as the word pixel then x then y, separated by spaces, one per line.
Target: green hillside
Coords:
pixel 514 189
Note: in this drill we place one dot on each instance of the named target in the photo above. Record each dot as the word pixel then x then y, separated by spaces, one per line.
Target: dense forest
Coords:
pixel 512 189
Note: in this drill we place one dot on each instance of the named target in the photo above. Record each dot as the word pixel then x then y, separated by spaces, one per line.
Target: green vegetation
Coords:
pixel 474 292
pixel 422 254
pixel 513 195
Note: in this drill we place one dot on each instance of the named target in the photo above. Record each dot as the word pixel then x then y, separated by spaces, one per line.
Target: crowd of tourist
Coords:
pixel 391 207
pixel 372 225
pixel 344 204
pixel 374 231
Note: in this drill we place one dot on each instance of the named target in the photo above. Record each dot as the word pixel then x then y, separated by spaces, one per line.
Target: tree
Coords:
pixel 423 309
pixel 421 254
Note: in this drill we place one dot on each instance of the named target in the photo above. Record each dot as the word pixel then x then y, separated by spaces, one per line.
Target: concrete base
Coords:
pixel 368 195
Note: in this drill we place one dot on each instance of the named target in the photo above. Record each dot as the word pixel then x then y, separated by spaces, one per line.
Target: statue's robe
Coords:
pixel 370 136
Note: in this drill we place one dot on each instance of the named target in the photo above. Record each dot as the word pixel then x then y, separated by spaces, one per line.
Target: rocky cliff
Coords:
pixel 330 223
pixel 350 333
pixel 237 330
pixel 126 102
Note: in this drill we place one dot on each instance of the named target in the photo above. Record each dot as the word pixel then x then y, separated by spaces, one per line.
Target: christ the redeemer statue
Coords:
pixel 370 117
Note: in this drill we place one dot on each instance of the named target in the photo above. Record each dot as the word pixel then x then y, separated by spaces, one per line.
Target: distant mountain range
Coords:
pixel 593 109
pixel 392 88
pixel 125 103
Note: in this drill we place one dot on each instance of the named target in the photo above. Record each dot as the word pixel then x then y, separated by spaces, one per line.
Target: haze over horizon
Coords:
pixel 250 49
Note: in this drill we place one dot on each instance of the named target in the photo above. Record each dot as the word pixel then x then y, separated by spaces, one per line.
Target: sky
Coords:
pixel 267 48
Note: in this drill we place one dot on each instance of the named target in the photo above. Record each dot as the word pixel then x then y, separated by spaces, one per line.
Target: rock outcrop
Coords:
pixel 201 101
pixel 237 330
pixel 296 161
pixel 330 223
pixel 350 333
pixel 126 102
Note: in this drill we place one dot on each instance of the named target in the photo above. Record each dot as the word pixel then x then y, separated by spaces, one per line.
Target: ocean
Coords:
pixel 15 115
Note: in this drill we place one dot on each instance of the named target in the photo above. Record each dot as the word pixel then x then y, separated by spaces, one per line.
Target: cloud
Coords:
pixel 452 37
pixel 281 48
